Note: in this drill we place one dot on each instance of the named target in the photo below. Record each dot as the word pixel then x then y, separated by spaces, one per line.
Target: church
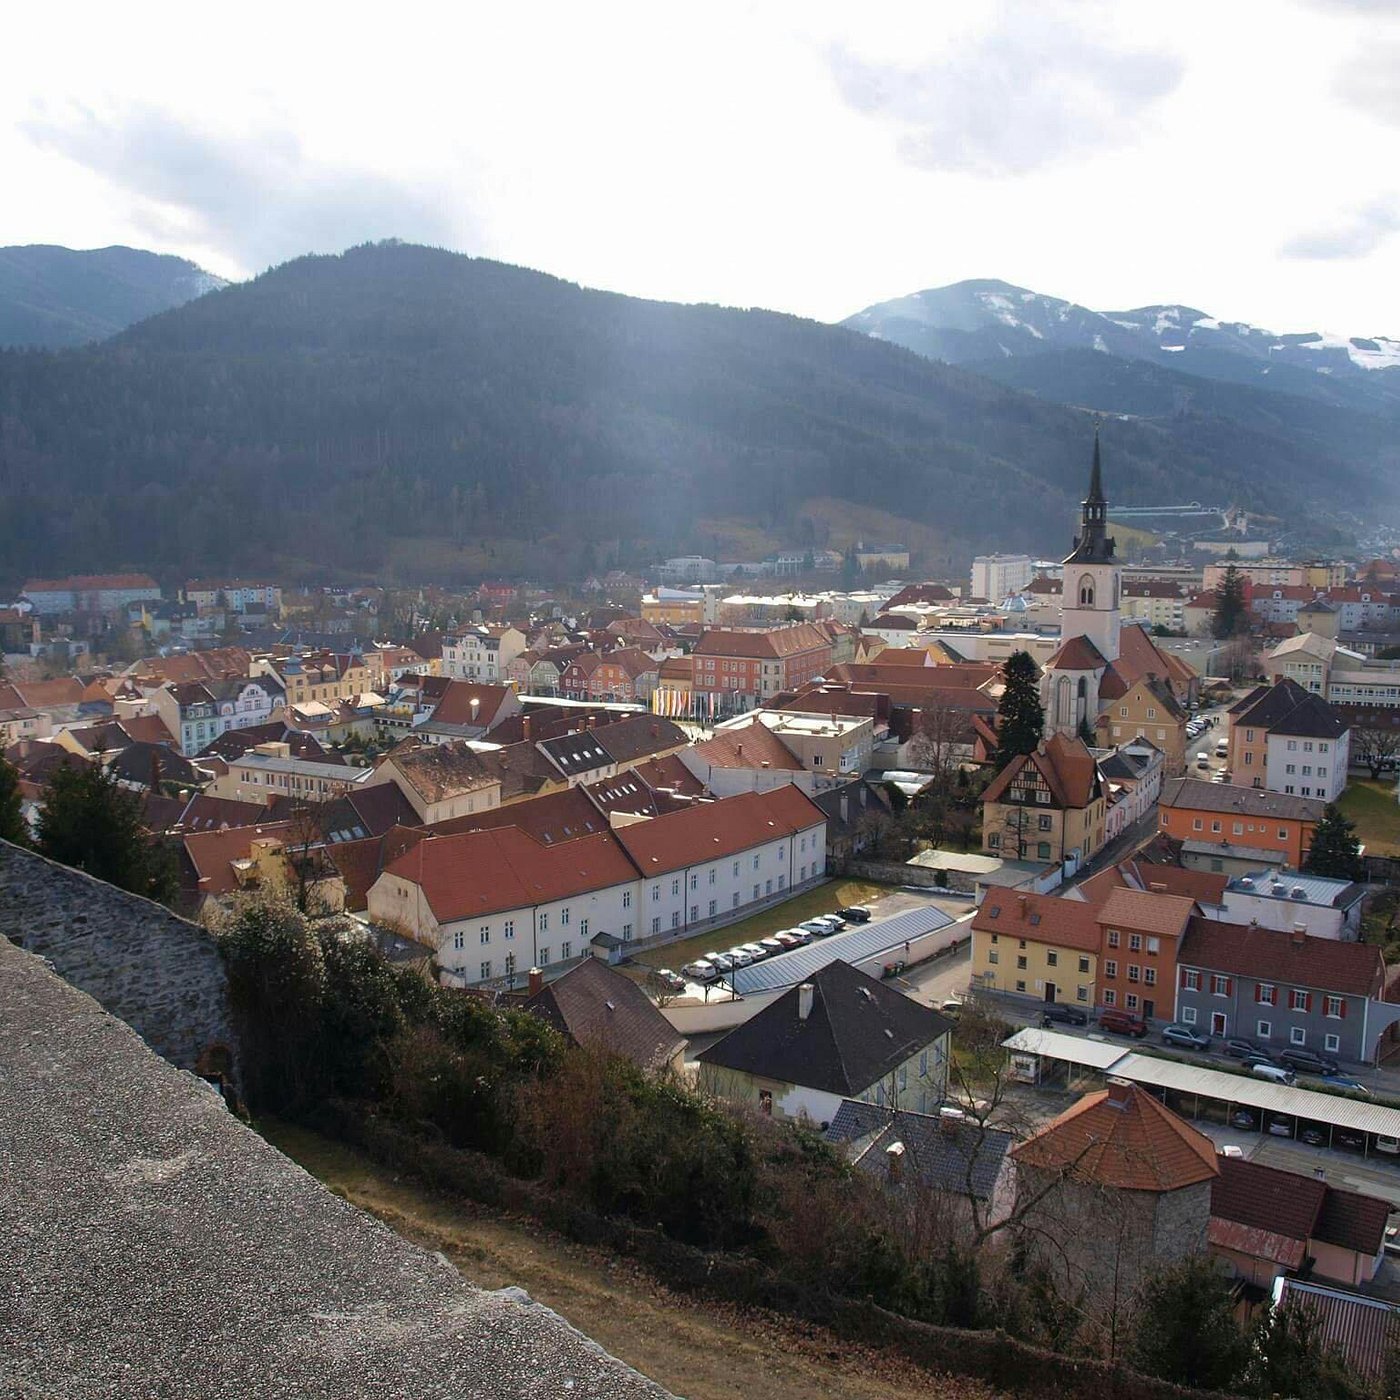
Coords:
pixel 1107 682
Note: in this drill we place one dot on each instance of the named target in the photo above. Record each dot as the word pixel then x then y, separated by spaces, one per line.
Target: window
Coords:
pixel 655 893
pixel 994 957
pixel 1110 997
pixel 675 918
pixel 1299 1001
pixel 1149 976
pixel 1332 1042
pixel 1020 984
pixel 1334 1007
pixel 1266 994
pixel 1134 973
pixel 994 840
pixel 736 869
pixel 1082 994
pixel 627 899
pixel 1042 850
pixel 1110 968
pixel 544 923
pixel 510 964
pixel 712 908
pixel 755 891
pixel 1219 986
pixel 1215 827
pixel 694 912
pixel 1297 1035
pixel 1052 958
pixel 675 887
pixel 712 874
pixel 1188 1015
pixel 485 935
pixel 544 957
pixel 1083 965
pixel 485 971
pixel 1131 1001
pixel 1196 823
pixel 1113 937
pixel 755 862
pixel 1020 963
pixel 1135 942
pixel 1264 1029
pixel 656 924
pixel 734 900
pixel 694 879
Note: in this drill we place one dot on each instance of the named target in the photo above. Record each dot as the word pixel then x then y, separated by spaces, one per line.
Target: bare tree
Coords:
pixel 1376 747
pixel 308 833
pixel 1014 826
pixel 938 743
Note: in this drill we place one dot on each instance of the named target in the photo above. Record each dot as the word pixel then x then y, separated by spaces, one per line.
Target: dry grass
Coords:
pixel 1372 806
pixel 695 1348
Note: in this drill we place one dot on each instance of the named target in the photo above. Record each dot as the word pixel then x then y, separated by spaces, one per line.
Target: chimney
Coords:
pixel 894 1162
pixel 739 750
pixel 1157 888
pixel 656 731
pixel 804 1000
pixel 525 728
pixel 536 981
pixel 1120 1093
pixel 1299 935
pixel 1023 902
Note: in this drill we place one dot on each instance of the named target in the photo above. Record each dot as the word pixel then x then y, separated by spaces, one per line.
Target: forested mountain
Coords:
pixel 401 409
pixel 52 297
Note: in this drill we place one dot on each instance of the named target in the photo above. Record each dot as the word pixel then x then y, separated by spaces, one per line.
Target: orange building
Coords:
pixel 1226 822
pixel 1141 931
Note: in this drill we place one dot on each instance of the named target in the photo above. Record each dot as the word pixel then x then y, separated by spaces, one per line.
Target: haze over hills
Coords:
pixel 408 411
pixel 52 297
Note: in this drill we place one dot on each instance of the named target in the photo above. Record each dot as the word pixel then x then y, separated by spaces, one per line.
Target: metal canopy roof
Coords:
pixel 853 945
pixel 1074 1049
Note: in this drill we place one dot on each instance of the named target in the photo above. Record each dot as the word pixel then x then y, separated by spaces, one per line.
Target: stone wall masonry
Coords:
pixel 161 974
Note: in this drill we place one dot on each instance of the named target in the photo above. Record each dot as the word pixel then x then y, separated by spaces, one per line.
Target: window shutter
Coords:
pixel 1258 992
pixel 1307 1001
pixel 1343 1002
pixel 1184 981
pixel 1229 985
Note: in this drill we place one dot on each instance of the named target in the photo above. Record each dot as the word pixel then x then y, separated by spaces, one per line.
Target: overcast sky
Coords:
pixel 1242 156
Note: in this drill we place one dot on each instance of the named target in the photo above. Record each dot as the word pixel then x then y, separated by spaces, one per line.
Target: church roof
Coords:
pixel 1093 544
pixel 1077 654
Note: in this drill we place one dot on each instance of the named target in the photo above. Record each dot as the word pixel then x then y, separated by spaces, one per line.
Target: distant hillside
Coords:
pixel 53 297
pixel 403 409
pixel 983 320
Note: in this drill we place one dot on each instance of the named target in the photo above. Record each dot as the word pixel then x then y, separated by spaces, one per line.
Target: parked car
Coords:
pixel 1122 1022
pixel 786 939
pixel 772 945
pixel 1314 1137
pixel 1389 1145
pixel 756 951
pixel 833 921
pixel 1241 1048
pixel 953 1008
pixel 1350 1140
pixel 1243 1118
pixel 700 970
pixel 799 935
pixel 819 927
pixel 1279 1126
pixel 1222 748
pixel 671 981
pixel 1345 1081
pixel 1202 760
pixel 1179 1033
pixel 720 962
pixel 1053 1011
pixel 1259 1058
pixel 1308 1061
pixel 740 957
pixel 1275 1074
pixel 855 914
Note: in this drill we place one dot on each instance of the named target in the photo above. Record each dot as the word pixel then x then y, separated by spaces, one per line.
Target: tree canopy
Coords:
pixel 1335 850
pixel 1020 717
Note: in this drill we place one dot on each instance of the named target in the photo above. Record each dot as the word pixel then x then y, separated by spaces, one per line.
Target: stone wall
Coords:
pixel 160 974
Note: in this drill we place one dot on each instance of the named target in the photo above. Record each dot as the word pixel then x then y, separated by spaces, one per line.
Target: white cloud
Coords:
pixel 1035 90
pixel 1356 235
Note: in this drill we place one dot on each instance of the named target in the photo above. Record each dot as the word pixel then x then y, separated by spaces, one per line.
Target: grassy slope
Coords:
pixel 1372 806
pixel 695 1348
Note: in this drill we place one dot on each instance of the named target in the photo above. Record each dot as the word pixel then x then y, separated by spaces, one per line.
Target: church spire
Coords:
pixel 1093 544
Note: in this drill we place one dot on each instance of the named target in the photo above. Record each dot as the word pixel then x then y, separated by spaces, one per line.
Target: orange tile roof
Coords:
pixel 88 583
pixel 1147 912
pixel 1039 918
pixel 780 642
pixel 1121 1137
pixel 752 745
pixel 1065 763
pixel 1077 654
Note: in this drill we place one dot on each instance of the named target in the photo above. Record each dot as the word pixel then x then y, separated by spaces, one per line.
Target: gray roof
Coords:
pixel 853 945
pixel 154 1244
pixel 959 1157
pixel 1232 800
pixel 1316 889
pixel 857 1031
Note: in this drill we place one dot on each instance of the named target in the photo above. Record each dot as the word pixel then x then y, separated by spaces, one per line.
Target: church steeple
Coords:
pixel 1093 544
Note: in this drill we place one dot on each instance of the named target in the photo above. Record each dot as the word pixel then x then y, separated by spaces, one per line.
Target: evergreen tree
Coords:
pixel 1186 1331
pixel 1335 851
pixel 92 823
pixel 1229 617
pixel 12 824
pixel 1020 719
pixel 1291 1357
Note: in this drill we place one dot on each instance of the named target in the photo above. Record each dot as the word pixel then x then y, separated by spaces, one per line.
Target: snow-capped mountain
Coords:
pixel 983 320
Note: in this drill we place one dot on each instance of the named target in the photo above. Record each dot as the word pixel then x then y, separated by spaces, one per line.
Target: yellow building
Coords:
pixel 675 609
pixel 1036 945
pixel 1047 805
pixel 1148 711
pixel 320 675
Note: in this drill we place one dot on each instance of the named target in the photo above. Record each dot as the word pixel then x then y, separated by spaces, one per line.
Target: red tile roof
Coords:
pixel 1121 1137
pixel 778 643
pixel 1065 763
pixel 1245 950
pixel 1077 654
pixel 1039 918
pixel 88 583
pixel 1146 912
pixel 555 817
pixel 711 831
pixel 752 745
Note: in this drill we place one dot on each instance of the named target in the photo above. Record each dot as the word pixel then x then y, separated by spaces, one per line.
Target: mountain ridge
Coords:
pixel 52 297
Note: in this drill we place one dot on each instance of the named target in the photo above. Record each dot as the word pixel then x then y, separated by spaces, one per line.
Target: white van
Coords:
pixel 1203 760
pixel 1275 1074
pixel 1388 1144
pixel 1222 748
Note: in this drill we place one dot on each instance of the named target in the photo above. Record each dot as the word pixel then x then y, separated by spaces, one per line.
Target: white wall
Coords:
pixel 1283 752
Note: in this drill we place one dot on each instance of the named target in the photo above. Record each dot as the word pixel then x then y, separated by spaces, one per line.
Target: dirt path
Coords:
pixel 694 1348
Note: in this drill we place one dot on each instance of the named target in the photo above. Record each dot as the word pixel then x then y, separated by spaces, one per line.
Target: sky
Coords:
pixel 1240 156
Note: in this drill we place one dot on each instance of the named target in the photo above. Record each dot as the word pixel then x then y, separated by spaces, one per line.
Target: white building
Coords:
pixel 995 576
pixel 1282 900
pixel 482 653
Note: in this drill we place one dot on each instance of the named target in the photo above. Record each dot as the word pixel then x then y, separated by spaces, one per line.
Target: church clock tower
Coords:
pixel 1092 579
